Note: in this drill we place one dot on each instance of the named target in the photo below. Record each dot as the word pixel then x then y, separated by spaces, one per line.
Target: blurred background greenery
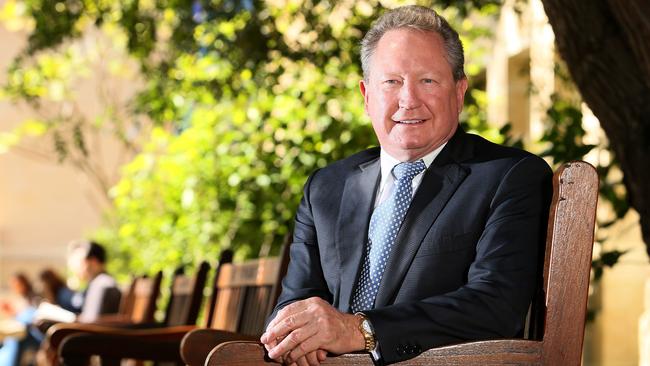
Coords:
pixel 240 101
pixel 235 103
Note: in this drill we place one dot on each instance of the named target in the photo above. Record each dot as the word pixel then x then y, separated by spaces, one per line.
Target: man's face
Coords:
pixel 78 264
pixel 411 96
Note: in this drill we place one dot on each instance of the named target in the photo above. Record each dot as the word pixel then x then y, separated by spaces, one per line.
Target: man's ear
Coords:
pixel 461 88
pixel 363 87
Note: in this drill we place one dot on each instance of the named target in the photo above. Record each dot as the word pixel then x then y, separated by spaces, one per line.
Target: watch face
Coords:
pixel 366 326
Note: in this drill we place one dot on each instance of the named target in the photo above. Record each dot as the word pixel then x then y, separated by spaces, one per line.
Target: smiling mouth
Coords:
pixel 410 121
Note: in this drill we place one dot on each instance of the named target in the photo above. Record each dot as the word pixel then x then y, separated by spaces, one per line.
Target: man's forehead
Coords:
pixel 399 37
pixel 410 50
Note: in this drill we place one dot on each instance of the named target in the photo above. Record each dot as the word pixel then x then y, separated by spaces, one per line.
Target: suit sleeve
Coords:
pixel 500 282
pixel 304 277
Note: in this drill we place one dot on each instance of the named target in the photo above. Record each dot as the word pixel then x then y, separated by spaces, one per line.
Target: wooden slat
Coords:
pixel 519 352
pixel 187 293
pixel 142 292
pixel 257 272
pixel 245 295
pixel 226 257
pixel 567 270
pixel 242 305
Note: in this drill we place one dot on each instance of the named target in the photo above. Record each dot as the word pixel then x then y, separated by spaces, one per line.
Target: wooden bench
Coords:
pixel 243 296
pixel 562 306
pixel 137 306
pixel 181 314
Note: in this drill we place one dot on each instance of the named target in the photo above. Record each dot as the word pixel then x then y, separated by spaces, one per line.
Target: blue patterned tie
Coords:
pixel 384 226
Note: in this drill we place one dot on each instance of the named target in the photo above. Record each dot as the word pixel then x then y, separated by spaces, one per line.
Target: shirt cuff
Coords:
pixel 376 355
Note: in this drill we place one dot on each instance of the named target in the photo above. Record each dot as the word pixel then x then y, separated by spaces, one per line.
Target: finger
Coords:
pixel 272 343
pixel 322 355
pixel 292 341
pixel 268 346
pixel 302 362
pixel 294 307
pixel 287 311
pixel 312 358
pixel 306 361
pixel 309 345
pixel 287 326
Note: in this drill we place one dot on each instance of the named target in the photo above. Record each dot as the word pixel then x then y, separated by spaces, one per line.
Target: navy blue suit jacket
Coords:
pixel 464 265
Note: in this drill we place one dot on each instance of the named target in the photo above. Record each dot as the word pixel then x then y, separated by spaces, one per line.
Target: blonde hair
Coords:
pixel 415 17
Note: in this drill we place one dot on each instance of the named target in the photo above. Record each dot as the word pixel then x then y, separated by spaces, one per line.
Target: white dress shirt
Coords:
pixel 387 183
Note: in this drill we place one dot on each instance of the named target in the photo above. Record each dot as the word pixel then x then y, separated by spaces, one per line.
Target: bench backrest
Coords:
pixel 186 296
pixel 244 293
pixel 141 300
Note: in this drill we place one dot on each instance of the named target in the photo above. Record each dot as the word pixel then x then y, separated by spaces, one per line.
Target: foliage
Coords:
pixel 565 139
pixel 57 84
pixel 248 98
pixel 565 132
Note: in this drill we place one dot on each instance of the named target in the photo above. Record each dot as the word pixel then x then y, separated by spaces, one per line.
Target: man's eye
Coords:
pixel 428 81
pixel 391 82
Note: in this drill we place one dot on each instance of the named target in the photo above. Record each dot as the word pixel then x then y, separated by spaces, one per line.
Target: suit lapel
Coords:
pixel 352 235
pixel 438 185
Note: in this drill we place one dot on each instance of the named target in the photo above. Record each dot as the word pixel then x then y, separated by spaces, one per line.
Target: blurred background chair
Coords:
pixel 182 311
pixel 243 295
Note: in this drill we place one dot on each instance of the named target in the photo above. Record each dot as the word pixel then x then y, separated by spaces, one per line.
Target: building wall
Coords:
pixel 44 204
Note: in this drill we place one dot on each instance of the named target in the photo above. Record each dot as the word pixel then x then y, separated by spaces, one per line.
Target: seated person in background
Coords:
pixel 102 295
pixel 87 260
pixel 432 238
pixel 56 291
pixel 22 310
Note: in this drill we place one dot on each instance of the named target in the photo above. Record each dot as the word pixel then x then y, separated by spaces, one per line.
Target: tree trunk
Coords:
pixel 606 45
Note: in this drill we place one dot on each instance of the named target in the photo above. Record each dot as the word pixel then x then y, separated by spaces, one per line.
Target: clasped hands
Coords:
pixel 303 332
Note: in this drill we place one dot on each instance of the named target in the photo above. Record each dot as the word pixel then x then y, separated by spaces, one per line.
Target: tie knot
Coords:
pixel 408 170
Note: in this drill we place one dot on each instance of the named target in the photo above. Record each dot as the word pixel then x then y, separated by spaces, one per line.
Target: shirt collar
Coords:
pixel 388 162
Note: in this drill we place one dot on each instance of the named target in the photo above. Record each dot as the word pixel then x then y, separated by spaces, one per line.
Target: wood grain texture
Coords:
pixel 571 236
pixel 565 285
pixel 518 352
pixel 246 295
pixel 78 347
pixel 187 295
pixel 197 344
pixel 145 295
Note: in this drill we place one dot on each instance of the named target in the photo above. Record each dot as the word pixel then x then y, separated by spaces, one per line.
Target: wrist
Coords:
pixel 367 332
pixel 356 340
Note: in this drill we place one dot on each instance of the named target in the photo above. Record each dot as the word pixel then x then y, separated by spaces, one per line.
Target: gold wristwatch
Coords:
pixel 367 331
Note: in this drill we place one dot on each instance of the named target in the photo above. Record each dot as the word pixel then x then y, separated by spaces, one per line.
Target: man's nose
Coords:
pixel 408 96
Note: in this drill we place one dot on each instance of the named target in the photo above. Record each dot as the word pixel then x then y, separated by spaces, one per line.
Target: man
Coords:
pixel 430 240
pixel 102 296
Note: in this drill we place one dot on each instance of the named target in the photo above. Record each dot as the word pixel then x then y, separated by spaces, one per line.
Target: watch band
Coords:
pixel 367 331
